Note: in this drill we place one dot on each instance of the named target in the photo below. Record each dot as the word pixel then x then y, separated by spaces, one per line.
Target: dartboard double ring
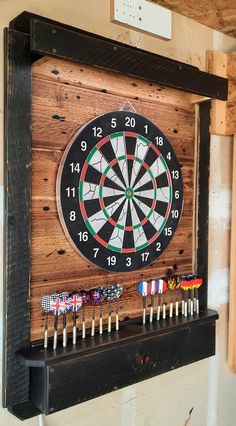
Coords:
pixel 119 191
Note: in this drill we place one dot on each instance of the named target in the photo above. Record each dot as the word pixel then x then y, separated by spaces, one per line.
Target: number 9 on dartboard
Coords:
pixel 119 191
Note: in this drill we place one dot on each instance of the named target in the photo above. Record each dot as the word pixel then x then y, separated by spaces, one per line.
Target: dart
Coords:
pixel 85 299
pixel 177 286
pixel 110 296
pixel 171 282
pixel 95 300
pixel 185 286
pixel 190 294
pixel 65 306
pixel 153 288
pixel 45 303
pixel 55 308
pixel 118 292
pixel 161 289
pixel 75 304
pixel 103 296
pixel 143 290
pixel 197 282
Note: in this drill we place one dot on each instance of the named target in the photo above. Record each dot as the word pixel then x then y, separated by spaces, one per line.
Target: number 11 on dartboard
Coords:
pixel 119 191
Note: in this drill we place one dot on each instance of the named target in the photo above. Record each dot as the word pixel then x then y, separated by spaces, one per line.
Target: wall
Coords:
pixel 208 386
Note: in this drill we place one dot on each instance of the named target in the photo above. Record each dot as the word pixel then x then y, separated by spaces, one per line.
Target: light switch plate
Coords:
pixel 143 15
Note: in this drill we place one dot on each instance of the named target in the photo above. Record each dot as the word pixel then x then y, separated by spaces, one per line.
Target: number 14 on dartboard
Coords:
pixel 119 191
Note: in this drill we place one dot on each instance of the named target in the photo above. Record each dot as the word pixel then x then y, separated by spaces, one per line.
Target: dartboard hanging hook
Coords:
pixel 127 106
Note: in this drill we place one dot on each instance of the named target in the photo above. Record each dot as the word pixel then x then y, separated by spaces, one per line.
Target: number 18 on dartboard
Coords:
pixel 119 191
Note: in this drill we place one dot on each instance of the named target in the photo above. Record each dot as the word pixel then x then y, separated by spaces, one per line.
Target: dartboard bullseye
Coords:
pixel 119 191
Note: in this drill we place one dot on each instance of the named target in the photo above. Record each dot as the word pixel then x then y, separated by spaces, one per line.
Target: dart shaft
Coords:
pixel 144 309
pixel 55 331
pixel 83 329
pixel 93 323
pixel 45 338
pixel 100 325
pixel 164 311
pixel 176 308
pixel 151 314
pixel 74 319
pixel 64 342
pixel 46 331
pixel 191 307
pixel 109 317
pixel 100 320
pixel 93 328
pixel 64 337
pixel 74 334
pixel 55 339
pixel 151 309
pixel 109 324
pixel 185 309
pixel 83 324
pixel 197 302
pixel 117 322
pixel 197 306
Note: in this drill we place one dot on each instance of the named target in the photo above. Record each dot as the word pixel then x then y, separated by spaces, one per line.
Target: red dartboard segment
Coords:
pixel 103 141
pixel 130 250
pixel 125 191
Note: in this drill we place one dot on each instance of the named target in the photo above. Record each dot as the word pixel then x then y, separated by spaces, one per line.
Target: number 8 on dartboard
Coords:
pixel 119 191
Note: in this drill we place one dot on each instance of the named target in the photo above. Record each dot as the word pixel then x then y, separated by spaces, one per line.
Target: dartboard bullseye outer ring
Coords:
pixel 119 191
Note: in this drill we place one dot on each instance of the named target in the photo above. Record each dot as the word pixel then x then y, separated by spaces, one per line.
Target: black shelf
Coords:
pixel 67 376
pixel 41 357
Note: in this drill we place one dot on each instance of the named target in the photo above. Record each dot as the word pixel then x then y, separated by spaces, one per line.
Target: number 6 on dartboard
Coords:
pixel 119 191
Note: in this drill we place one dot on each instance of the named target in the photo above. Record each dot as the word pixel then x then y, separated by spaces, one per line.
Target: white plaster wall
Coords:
pixel 208 386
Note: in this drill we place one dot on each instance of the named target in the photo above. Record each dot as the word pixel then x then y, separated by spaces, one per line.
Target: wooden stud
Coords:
pixel 223 114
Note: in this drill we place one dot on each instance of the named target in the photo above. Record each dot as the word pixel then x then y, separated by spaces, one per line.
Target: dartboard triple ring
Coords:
pixel 119 191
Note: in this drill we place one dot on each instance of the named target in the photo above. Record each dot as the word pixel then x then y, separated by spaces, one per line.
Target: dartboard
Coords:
pixel 119 191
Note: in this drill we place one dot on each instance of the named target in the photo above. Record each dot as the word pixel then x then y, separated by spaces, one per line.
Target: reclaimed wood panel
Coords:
pixel 65 96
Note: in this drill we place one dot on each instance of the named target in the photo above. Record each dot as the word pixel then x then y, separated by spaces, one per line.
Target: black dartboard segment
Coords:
pixel 119 191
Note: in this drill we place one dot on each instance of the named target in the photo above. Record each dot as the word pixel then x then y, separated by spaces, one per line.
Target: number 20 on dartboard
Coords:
pixel 119 191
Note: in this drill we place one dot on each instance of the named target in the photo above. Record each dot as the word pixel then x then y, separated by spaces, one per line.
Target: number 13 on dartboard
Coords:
pixel 119 191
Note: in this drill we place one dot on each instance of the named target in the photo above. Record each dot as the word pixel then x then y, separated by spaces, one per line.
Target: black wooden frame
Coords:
pixel 28 37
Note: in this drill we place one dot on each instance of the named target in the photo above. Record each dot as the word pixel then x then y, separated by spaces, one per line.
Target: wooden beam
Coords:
pixel 223 114
pixel 17 179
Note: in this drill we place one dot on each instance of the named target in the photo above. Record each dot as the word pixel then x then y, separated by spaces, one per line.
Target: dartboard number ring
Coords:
pixel 119 191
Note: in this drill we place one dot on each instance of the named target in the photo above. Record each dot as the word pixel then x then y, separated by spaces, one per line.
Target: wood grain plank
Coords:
pixel 82 76
pixel 59 109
